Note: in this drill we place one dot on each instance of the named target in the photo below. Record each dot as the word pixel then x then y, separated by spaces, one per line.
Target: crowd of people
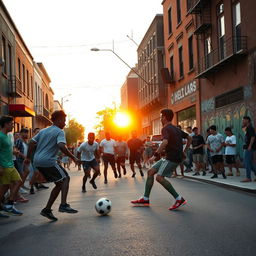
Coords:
pixel 46 157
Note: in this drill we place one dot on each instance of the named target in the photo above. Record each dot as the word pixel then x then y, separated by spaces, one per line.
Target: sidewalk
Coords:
pixel 231 181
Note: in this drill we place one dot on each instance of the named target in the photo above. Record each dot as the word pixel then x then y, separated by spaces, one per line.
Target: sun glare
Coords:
pixel 122 120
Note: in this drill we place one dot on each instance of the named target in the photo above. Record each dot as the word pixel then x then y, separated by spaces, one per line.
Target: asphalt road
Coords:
pixel 216 221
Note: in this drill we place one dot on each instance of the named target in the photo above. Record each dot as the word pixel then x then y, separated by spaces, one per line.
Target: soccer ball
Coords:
pixel 103 206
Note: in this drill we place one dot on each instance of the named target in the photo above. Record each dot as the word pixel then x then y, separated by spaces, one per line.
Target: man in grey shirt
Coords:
pixel 121 150
pixel 46 145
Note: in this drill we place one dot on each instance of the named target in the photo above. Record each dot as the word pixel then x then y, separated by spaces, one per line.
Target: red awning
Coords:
pixel 20 110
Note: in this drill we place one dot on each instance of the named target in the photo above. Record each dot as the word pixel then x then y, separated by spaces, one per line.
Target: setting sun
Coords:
pixel 122 119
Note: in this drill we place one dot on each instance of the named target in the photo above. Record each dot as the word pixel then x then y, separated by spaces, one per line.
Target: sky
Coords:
pixel 60 34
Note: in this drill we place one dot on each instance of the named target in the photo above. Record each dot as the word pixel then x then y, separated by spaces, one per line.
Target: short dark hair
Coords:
pixel 167 113
pixel 195 128
pixel 228 129
pixel 57 114
pixel 91 134
pixel 24 130
pixel 4 120
pixel 35 129
pixel 247 118
pixel 213 127
pixel 189 127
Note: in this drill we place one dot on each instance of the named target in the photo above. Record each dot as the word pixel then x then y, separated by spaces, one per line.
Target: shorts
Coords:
pixel 230 159
pixel 87 165
pixel 54 173
pixel 109 158
pixel 9 176
pixel 198 158
pixel 136 157
pixel 165 167
pixel 120 160
pixel 217 159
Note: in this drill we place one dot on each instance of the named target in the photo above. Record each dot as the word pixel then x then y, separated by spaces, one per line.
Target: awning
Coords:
pixel 20 110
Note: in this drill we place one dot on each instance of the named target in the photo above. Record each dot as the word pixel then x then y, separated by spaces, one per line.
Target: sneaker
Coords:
pixel 115 175
pixel 93 184
pixel 133 175
pixel 48 214
pixel 10 209
pixel 178 203
pixel 22 199
pixel 223 175
pixel 23 191
pixel 24 187
pixel 141 201
pixel 124 171
pixel 141 173
pixel 67 208
pixel 196 174
pixel 2 215
pixel 32 190
pixel 105 181
pixel 83 189
pixel 204 173
pixel 214 176
pixel 42 186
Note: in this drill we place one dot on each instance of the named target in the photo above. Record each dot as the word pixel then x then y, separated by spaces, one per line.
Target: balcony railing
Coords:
pixel 195 6
pixel 46 113
pixel 41 111
pixel 234 46
pixel 15 87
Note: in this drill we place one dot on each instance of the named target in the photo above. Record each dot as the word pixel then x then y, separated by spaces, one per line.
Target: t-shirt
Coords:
pixel 108 146
pixel 250 132
pixel 196 141
pixel 215 142
pixel 230 150
pixel 134 145
pixel 174 148
pixel 6 151
pixel 10 134
pixel 87 150
pixel 47 146
pixel 121 148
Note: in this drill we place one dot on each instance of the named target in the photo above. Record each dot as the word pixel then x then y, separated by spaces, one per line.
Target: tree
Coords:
pixel 74 132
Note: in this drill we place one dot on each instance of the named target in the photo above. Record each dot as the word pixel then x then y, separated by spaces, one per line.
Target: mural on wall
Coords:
pixel 230 116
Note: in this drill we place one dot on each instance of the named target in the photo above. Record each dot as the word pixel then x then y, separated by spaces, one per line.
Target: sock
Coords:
pixel 145 198
pixel 168 186
pixel 148 186
pixel 178 198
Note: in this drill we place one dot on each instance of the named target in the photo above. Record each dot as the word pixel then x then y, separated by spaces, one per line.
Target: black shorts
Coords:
pixel 217 159
pixel 120 160
pixel 136 157
pixel 54 173
pixel 87 165
pixel 230 159
pixel 109 158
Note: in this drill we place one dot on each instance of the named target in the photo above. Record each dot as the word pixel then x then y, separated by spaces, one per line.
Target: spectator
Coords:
pixel 230 151
pixel 198 151
pixel 249 148
pixel 189 151
pixel 215 143
pixel 121 150
pixel 148 152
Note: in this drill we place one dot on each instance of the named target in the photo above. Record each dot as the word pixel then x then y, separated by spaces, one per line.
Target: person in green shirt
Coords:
pixel 9 176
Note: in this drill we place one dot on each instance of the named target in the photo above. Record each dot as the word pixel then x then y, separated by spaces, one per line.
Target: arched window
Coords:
pixel 47 101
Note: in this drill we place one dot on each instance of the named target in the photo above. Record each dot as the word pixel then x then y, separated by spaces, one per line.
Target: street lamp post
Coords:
pixel 110 50
pixel 62 98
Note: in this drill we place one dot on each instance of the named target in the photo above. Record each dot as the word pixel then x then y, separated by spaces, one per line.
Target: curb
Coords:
pixel 252 191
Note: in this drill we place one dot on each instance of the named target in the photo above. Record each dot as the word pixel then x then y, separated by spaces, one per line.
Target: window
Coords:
pixel 23 78
pixel 208 49
pixel 229 98
pixel 28 93
pixel 221 31
pixel 4 54
pixel 178 12
pixel 181 62
pixel 19 69
pixel 190 53
pixel 189 5
pixel 9 60
pixel 170 20
pixel 171 68
pixel 237 26
pixel 31 87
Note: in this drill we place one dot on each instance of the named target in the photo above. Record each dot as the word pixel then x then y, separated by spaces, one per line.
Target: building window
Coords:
pixel 221 31
pixel 178 12
pixel 208 49
pixel 19 69
pixel 9 60
pixel 229 98
pixel 23 78
pixel 4 54
pixel 170 20
pixel 237 26
pixel 181 62
pixel 190 53
pixel 28 84
pixel 31 87
pixel 171 68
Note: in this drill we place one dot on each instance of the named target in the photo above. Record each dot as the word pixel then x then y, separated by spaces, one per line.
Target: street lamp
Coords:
pixel 110 50
pixel 62 98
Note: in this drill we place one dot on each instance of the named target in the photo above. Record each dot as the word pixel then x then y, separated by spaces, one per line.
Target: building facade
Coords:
pixel 181 56
pixel 152 91
pixel 226 67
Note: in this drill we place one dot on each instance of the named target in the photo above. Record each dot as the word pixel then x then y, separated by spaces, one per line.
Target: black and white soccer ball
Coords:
pixel 103 206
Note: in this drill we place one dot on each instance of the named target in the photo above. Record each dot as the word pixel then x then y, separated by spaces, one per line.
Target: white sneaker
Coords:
pixel 23 191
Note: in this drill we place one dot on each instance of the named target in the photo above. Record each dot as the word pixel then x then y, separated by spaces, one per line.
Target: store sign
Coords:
pixel 183 92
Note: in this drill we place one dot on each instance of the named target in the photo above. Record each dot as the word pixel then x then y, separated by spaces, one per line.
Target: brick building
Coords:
pixel 226 67
pixel 181 56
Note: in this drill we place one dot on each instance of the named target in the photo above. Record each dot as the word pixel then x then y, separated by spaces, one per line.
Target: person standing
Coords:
pixel 230 151
pixel 249 148
pixel 148 152
pixel 121 150
pixel 46 145
pixel 9 176
pixel 172 143
pixel 198 151
pixel 215 144
pixel 135 146
pixel 107 148
pixel 88 152
pixel 189 161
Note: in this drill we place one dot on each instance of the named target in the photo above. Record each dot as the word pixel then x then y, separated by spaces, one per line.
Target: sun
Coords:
pixel 122 119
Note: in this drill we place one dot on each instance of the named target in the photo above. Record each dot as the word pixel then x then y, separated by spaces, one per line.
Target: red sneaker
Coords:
pixel 22 200
pixel 178 203
pixel 141 201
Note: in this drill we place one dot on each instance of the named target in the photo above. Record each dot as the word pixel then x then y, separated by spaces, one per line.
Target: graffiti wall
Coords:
pixel 229 116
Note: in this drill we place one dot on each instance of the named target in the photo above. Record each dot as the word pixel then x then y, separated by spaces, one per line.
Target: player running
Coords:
pixel 89 153
pixel 172 143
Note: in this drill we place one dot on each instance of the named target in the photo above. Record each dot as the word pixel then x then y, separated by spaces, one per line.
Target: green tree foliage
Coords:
pixel 74 132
